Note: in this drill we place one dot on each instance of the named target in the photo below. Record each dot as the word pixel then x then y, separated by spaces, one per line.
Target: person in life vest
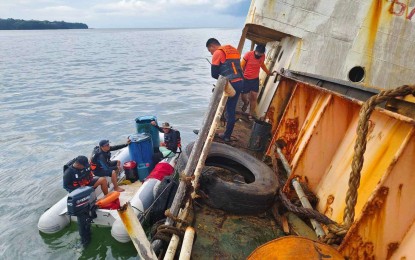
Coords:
pixel 172 140
pixel 252 62
pixel 101 163
pixel 77 173
pixel 226 62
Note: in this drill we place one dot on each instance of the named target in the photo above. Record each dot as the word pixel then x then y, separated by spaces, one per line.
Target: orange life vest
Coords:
pixel 231 68
pixel 108 199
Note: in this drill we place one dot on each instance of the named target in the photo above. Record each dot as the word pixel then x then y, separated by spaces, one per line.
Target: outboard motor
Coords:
pixel 81 203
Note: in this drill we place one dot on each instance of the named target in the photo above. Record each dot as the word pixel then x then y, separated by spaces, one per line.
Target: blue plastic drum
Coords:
pixel 143 124
pixel 141 149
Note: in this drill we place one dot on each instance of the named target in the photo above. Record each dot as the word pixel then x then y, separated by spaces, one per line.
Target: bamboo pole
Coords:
pixel 208 143
pixel 171 249
pixel 195 154
pixel 136 232
pixel 186 251
pixel 187 215
pixel 299 190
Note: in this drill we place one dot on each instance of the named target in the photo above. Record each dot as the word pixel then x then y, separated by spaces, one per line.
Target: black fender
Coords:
pixel 255 194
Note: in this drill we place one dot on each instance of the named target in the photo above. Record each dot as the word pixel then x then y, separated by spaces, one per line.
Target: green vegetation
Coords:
pixel 15 24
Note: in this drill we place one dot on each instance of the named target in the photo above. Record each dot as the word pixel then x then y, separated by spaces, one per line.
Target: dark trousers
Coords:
pixel 231 108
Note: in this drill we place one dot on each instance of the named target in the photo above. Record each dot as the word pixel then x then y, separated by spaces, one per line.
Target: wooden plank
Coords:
pixel 285 226
pixel 299 227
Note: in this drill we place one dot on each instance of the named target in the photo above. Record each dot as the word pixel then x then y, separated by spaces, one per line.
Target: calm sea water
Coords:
pixel 64 90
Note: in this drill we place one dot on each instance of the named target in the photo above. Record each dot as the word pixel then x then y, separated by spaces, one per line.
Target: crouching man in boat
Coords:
pixel 77 173
pixel 172 140
pixel 101 164
pixel 226 62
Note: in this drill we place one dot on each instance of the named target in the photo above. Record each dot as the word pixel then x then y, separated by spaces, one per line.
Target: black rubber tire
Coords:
pixel 235 197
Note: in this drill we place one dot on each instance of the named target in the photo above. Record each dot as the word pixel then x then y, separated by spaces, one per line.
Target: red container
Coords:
pixel 130 170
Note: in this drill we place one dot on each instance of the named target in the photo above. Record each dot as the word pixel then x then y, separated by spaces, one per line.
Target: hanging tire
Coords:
pixel 252 194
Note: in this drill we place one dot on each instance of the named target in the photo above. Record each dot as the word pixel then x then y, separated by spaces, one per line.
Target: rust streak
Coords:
pixel 290 136
pixel 329 209
pixel 400 190
pixel 392 247
pixel 374 19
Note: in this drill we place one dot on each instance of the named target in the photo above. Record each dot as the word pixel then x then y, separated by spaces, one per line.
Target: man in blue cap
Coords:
pixel 77 173
pixel 101 163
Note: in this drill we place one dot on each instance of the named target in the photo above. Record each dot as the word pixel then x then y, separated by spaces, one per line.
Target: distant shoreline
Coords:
pixel 17 24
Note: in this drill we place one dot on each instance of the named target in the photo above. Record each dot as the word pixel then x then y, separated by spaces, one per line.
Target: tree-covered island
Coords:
pixel 17 24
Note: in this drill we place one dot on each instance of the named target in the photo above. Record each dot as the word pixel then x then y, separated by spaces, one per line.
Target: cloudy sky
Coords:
pixel 131 13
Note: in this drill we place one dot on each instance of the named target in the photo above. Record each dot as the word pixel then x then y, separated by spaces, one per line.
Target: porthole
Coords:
pixel 357 74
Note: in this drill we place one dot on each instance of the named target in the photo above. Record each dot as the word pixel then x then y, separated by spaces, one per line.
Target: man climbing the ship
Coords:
pixel 226 62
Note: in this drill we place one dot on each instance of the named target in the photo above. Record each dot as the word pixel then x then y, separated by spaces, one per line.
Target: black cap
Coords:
pixel 260 48
pixel 82 160
pixel 104 142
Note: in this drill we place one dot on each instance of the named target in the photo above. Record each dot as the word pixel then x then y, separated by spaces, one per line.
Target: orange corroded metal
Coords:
pixel 289 136
pixel 293 118
pixel 361 246
pixel 279 102
pixel 387 218
pixel 293 248
pixel 319 128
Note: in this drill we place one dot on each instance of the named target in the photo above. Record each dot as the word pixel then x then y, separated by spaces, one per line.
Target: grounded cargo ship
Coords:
pixel 332 57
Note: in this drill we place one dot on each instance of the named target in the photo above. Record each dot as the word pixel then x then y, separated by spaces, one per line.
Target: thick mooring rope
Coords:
pixel 304 212
pixel 360 145
pixel 165 232
pixel 337 232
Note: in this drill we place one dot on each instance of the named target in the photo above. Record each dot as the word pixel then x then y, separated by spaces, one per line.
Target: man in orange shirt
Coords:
pixel 252 62
pixel 226 62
